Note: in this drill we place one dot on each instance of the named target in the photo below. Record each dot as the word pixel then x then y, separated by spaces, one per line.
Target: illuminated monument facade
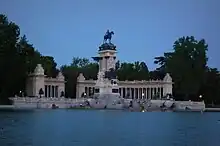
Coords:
pixel 107 82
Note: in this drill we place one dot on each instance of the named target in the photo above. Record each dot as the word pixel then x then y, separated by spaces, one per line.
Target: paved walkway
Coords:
pixel 212 109
pixel 6 106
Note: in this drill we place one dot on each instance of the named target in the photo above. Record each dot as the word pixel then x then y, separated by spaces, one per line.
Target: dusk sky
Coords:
pixel 143 28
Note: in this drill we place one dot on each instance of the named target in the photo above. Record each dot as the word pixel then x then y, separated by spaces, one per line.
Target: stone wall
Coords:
pixel 52 87
pixel 135 89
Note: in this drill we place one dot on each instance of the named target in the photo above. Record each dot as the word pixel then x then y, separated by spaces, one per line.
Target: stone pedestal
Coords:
pixel 107 83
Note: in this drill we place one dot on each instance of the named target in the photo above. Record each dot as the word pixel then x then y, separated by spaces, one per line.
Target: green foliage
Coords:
pixel 49 66
pixel 71 72
pixel 125 71
pixel 210 89
pixel 188 67
pixel 132 71
pixel 18 56
pixel 187 64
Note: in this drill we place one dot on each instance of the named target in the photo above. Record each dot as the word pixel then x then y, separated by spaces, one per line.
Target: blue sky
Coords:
pixel 143 28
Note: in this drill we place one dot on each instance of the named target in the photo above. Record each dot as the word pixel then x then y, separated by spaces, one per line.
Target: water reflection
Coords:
pixel 108 128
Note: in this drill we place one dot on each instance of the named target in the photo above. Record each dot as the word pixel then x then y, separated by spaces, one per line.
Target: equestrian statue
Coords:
pixel 108 36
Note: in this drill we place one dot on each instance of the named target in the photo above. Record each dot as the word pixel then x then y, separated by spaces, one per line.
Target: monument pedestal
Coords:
pixel 106 87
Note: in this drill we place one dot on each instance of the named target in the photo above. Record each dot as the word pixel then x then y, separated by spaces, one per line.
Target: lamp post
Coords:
pixel 200 96
pixel 142 95
pixel 84 95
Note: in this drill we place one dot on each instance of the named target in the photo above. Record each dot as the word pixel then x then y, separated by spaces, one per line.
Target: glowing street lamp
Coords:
pixel 142 95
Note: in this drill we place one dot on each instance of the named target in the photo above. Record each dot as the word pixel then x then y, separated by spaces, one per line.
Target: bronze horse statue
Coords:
pixel 108 36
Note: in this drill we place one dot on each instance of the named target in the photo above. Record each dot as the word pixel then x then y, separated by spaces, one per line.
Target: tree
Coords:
pixel 18 56
pixel 187 65
pixel 126 71
pixel 71 72
pixel 90 70
pixel 117 65
pixel 9 59
pixel 79 62
pixel 28 54
pixel 162 60
pixel 133 71
pixel 143 72
pixel 210 89
pixel 49 66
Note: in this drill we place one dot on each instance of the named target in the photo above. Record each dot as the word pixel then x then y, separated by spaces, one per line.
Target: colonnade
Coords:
pixel 51 91
pixel 141 93
pixel 134 93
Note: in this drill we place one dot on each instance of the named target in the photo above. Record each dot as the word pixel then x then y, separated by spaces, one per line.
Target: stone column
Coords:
pixel 38 81
pixel 167 88
pixel 56 91
pixel 159 92
pixel 51 91
pixel 48 90
pixel 81 89
pixel 142 91
pixel 129 92
pixel 100 63
pixel 140 94
pixel 105 59
pixel 45 91
pixel 123 92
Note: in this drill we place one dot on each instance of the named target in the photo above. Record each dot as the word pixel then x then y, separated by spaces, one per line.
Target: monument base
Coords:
pixel 106 95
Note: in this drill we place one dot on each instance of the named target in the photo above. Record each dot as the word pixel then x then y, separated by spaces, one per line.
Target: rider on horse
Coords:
pixel 108 36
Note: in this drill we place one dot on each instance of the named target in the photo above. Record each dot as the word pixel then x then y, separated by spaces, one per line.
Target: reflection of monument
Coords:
pixel 107 83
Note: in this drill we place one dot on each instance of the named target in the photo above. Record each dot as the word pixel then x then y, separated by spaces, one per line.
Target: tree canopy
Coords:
pixel 18 56
pixel 187 64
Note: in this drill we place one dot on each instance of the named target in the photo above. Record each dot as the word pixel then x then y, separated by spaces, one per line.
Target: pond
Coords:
pixel 108 128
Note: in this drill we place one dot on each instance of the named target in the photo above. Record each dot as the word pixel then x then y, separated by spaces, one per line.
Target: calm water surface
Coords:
pixel 108 128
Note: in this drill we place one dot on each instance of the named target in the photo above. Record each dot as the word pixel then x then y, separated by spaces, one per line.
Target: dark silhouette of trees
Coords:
pixel 18 58
pixel 187 64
